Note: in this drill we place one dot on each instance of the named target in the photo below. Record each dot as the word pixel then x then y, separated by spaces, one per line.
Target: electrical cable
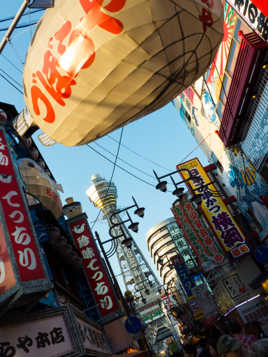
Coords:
pixel 120 167
pixel 124 161
pixel 114 166
pixel 20 91
pixel 139 155
pixel 11 78
pixel 19 26
pixel 11 63
pixel 24 14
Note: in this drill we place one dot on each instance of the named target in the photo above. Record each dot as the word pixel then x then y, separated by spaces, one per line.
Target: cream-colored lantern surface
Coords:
pixel 39 185
pixel 96 65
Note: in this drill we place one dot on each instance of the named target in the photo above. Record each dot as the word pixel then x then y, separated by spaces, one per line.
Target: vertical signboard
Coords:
pixel 208 253
pixel 20 255
pixel 183 274
pixel 96 274
pixel 254 13
pixel 218 215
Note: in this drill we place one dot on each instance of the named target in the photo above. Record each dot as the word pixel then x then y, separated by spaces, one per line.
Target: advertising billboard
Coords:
pixel 20 251
pixel 207 251
pixel 216 212
pixel 57 332
pixel 93 266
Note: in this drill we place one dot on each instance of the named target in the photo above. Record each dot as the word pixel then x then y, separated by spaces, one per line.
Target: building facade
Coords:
pixel 226 112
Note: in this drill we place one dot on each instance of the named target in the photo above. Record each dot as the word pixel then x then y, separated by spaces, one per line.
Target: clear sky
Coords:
pixel 161 137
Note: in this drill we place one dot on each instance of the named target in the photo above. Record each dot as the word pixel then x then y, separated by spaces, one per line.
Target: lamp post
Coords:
pixel 178 192
pixel 115 237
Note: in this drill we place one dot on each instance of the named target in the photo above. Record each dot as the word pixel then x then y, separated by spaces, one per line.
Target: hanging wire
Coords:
pixel 112 175
pixel 139 155
pixel 24 14
pixel 11 78
pixel 11 63
pixel 124 161
pixel 120 167
pixel 13 85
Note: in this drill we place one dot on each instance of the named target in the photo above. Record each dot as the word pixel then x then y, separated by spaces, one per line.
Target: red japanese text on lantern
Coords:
pixel 93 266
pixel 16 218
pixel 70 50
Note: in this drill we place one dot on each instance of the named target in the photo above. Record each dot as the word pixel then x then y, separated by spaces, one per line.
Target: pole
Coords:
pixel 117 287
pixel 13 25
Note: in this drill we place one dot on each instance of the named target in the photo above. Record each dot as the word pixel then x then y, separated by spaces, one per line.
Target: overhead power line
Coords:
pixel 12 84
pixel 139 155
pixel 112 175
pixel 120 167
pixel 124 161
pixel 24 14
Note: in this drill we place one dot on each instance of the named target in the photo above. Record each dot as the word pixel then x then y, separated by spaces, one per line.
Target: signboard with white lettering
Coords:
pixel 21 264
pixel 93 266
pixel 56 332
pixel 253 15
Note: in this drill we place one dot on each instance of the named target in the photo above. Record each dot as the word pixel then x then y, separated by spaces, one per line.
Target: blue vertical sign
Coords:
pixel 185 278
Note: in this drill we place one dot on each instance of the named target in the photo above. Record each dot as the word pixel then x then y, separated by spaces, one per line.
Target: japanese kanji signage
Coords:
pixel 206 249
pixel 255 14
pixel 20 248
pixel 97 59
pixel 218 215
pixel 58 332
pixel 185 278
pixel 96 274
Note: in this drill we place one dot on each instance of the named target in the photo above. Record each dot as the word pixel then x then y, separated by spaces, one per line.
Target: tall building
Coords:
pixel 137 274
pixel 164 241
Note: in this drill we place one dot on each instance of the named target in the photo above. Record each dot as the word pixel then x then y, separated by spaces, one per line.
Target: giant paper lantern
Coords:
pixel 39 185
pixel 96 65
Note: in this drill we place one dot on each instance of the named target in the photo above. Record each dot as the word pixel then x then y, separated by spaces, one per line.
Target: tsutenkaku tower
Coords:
pixel 137 275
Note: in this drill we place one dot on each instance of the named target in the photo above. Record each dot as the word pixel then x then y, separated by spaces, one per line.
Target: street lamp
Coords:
pixel 117 223
pixel 178 192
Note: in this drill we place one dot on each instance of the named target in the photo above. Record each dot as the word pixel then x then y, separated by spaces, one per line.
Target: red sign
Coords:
pixel 7 276
pixel 17 221
pixel 261 5
pixel 93 266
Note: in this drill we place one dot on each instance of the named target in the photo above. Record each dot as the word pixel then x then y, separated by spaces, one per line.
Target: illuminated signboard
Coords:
pixel 20 256
pixel 93 266
pixel 218 215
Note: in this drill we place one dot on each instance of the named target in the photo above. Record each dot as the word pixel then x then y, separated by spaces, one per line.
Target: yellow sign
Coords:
pixel 218 215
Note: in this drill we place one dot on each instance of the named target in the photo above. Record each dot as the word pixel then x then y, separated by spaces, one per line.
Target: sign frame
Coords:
pixel 25 290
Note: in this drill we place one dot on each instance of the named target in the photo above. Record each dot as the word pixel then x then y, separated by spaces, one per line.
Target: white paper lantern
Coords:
pixel 39 185
pixel 96 65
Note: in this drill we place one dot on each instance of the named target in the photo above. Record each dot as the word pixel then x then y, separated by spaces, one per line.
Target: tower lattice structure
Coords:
pixel 137 274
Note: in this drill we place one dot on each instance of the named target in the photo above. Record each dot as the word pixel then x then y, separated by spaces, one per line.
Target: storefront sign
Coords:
pixel 17 221
pixel 185 278
pixel 218 215
pixel 93 339
pixel 21 267
pixel 207 251
pixel 235 286
pixel 254 13
pixel 255 310
pixel 96 274
pixel 54 333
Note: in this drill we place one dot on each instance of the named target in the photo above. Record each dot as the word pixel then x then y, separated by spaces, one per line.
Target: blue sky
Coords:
pixel 161 137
